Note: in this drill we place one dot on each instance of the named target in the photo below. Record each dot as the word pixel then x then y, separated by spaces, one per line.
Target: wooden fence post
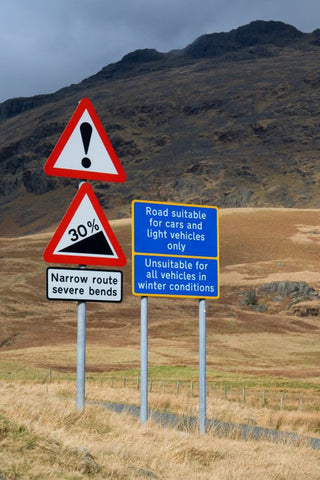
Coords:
pixel 281 402
pixel 301 404
pixel 244 395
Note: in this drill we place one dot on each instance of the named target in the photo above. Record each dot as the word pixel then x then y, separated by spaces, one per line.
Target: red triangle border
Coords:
pixel 49 167
pixel 50 256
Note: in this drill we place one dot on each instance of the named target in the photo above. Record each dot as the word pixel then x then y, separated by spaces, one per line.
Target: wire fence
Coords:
pixel 274 398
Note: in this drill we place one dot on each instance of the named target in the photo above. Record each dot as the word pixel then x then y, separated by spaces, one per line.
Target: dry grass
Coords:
pixel 305 423
pixel 42 436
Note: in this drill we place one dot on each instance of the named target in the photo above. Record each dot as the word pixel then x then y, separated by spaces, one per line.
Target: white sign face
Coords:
pixel 84 285
pixel 85 234
pixel 84 149
pixel 75 154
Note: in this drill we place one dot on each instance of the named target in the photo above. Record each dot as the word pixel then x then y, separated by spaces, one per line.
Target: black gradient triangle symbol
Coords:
pixel 96 244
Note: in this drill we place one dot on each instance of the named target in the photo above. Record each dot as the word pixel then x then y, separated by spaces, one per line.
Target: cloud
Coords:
pixel 46 45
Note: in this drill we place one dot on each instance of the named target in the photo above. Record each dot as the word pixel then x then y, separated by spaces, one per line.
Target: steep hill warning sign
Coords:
pixel 84 235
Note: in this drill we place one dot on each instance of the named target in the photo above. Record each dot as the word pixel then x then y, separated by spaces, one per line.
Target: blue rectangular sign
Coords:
pixel 175 229
pixel 175 250
pixel 179 277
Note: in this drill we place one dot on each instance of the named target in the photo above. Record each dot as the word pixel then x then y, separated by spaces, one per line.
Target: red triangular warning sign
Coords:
pixel 84 149
pixel 84 235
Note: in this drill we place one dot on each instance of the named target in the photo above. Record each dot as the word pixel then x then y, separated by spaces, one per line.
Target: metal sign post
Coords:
pixel 144 361
pixel 84 236
pixel 81 355
pixel 202 367
pixel 175 253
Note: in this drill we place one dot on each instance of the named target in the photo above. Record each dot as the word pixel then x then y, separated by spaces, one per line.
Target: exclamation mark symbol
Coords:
pixel 86 131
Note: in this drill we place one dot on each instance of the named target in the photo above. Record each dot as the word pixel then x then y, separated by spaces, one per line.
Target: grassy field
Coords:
pixel 43 436
pixel 253 358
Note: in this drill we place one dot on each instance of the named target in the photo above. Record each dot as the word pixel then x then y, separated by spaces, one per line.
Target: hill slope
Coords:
pixel 264 336
pixel 231 120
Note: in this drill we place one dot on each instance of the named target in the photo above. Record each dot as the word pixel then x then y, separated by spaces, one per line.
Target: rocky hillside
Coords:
pixel 231 120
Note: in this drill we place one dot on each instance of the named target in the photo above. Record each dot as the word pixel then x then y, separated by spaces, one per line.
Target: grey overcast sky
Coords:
pixel 49 44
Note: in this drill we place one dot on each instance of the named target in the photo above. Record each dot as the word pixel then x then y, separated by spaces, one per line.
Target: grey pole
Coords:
pixel 202 367
pixel 81 355
pixel 81 348
pixel 144 361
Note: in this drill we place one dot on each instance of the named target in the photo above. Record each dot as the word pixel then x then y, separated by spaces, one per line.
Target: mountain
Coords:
pixel 231 120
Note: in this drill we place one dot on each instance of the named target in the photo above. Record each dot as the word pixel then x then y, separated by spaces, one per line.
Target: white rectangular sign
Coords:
pixel 84 285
